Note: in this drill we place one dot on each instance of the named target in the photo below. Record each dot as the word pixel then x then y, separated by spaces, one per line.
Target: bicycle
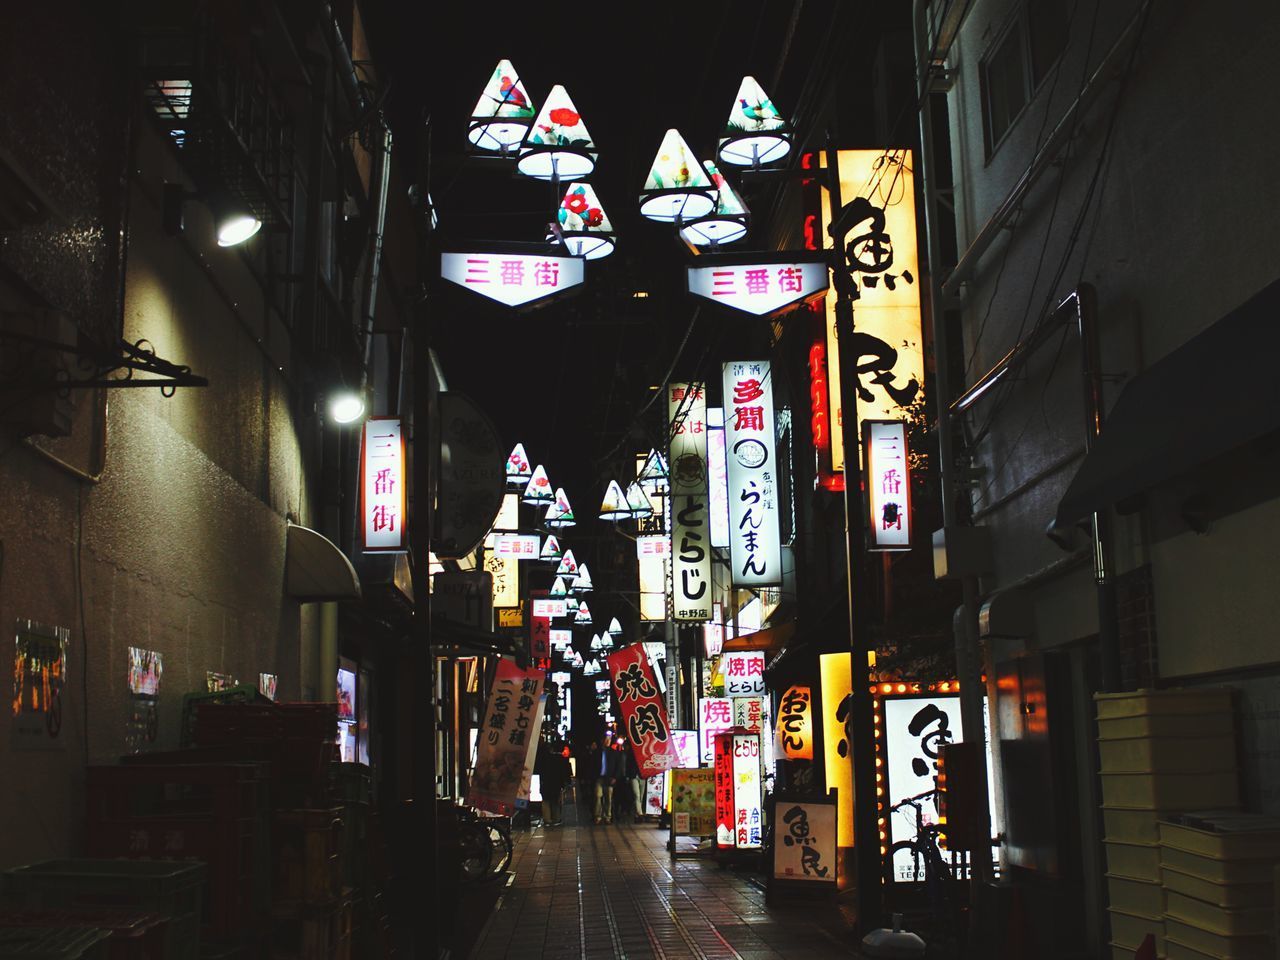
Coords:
pixel 484 842
pixel 928 866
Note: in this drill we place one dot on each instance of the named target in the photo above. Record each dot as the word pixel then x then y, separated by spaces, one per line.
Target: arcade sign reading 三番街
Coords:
pixel 761 287
pixel 513 279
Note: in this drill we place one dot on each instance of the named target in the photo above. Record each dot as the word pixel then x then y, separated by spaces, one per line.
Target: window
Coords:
pixel 1018 62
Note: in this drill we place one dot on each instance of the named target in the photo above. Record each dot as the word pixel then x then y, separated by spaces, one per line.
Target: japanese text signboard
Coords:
pixel 755 545
pixel 715 715
pixel 644 715
pixel 836 674
pixel 506 579
pixel 888 484
pixel 760 288
pixel 517 546
pixel 539 626
pixel 748 826
pixel 876 229
pixel 743 673
pixel 512 279
pixel 723 747
pixel 691 535
pixel 503 742
pixel 382 486
pixel 807 850
pixel 693 807
pixel 795 723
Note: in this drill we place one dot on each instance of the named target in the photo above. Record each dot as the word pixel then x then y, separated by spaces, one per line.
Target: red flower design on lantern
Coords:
pixel 576 203
pixel 593 217
pixel 564 117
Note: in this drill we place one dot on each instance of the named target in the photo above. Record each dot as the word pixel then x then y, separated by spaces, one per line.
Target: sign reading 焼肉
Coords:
pixel 382 487
pixel 503 742
pixel 755 546
pixel 888 484
pixel 690 509
pixel 715 715
pixel 743 673
pixel 644 715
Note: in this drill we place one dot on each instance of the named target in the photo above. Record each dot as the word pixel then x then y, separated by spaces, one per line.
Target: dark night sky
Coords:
pixel 633 71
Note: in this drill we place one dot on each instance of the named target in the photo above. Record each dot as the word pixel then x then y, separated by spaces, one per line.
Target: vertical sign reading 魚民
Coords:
pixel 888 484
pixel 755 546
pixel 503 743
pixel 690 509
pixel 382 493
pixel 644 716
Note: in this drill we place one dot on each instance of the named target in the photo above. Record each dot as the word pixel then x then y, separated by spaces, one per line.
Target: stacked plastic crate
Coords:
pixel 1218 870
pixel 1162 752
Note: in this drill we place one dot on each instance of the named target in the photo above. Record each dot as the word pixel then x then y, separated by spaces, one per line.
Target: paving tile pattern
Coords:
pixel 615 892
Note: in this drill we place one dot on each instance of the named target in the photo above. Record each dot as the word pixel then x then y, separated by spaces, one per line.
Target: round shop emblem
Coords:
pixel 689 469
pixel 750 453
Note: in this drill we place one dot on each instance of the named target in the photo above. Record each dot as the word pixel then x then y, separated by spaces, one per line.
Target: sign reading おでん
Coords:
pixel 644 715
pixel 382 487
pixel 755 547
pixel 512 279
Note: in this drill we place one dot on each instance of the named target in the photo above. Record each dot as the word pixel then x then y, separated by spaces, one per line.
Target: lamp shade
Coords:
pixel 614 505
pixel 596 642
pixel 726 223
pixel 756 133
pixel 557 146
pixel 550 549
pixel 503 113
pixel 518 469
pixel 538 490
pixel 638 501
pixel 582 581
pixel 677 188
pixel 584 226
pixel 568 565
pixel 655 467
pixel 559 589
pixel 583 616
pixel 559 514
pixel 615 628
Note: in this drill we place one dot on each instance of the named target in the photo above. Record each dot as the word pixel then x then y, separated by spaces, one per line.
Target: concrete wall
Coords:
pixel 180 546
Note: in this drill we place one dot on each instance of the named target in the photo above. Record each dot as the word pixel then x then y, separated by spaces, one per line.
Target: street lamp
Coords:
pixel 726 223
pixel 503 114
pixel 537 493
pixel 560 513
pixel 346 406
pixel 557 146
pixel 582 224
pixel 678 187
pixel 756 133
pixel 518 470
pixel 614 505
pixel 638 501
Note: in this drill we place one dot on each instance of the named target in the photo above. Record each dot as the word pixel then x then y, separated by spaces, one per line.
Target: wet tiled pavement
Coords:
pixel 615 891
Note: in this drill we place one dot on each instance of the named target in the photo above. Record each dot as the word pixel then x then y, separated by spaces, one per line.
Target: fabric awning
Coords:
pixel 1215 393
pixel 769 639
pixel 315 569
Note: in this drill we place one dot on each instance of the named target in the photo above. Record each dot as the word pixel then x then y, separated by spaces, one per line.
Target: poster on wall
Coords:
pixel 39 682
pixel 214 681
pixel 142 724
pixel 693 802
pixel 267 685
pixel 503 744
pixel 806 850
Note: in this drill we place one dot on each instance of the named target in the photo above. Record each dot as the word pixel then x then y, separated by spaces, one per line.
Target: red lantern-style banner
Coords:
pixel 539 629
pixel 644 715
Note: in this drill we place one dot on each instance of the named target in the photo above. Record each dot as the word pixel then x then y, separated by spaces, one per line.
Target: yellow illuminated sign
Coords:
pixel 837 755
pixel 795 723
pixel 878 224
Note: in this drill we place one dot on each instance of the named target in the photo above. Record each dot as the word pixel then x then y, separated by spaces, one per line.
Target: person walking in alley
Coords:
pixel 552 769
pixel 611 768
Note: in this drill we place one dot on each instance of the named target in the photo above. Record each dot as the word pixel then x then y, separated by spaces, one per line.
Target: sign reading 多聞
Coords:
pixel 755 543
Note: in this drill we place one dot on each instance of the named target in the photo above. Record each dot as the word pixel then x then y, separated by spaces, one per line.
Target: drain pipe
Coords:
pixel 969 660
pixel 374 271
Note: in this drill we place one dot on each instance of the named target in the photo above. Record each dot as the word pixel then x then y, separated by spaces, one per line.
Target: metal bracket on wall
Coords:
pixel 97 364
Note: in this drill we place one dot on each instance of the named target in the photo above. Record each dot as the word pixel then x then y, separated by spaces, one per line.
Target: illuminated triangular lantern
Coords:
pixel 596 642
pixel 615 628
pixel 726 223
pixel 518 469
pixel 538 492
pixel 550 549
pixel 756 133
pixel 568 565
pixel 502 116
pixel 655 467
pixel 678 187
pixel 583 615
pixel 638 501
pixel 583 225
pixel 571 605
pixel 614 505
pixel 557 146
pixel 560 514
pixel 582 582
pixel 559 589
pixel 577 659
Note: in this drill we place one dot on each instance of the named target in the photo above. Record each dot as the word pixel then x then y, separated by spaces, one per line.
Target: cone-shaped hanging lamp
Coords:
pixel 582 582
pixel 503 114
pixel 655 467
pixel 538 491
pixel 583 225
pixel 550 548
pixel 615 628
pixel 677 188
pixel 568 565
pixel 560 514
pixel 518 469
pixel 583 616
pixel 557 146
pixel 638 501
pixel 614 505
pixel 756 134
pixel 559 589
pixel 726 223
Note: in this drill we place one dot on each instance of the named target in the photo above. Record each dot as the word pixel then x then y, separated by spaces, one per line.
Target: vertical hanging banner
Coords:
pixel 888 484
pixel 539 626
pixel 876 230
pixel 755 542
pixel 723 747
pixel 644 716
pixel 690 509
pixel 382 486
pixel 503 744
